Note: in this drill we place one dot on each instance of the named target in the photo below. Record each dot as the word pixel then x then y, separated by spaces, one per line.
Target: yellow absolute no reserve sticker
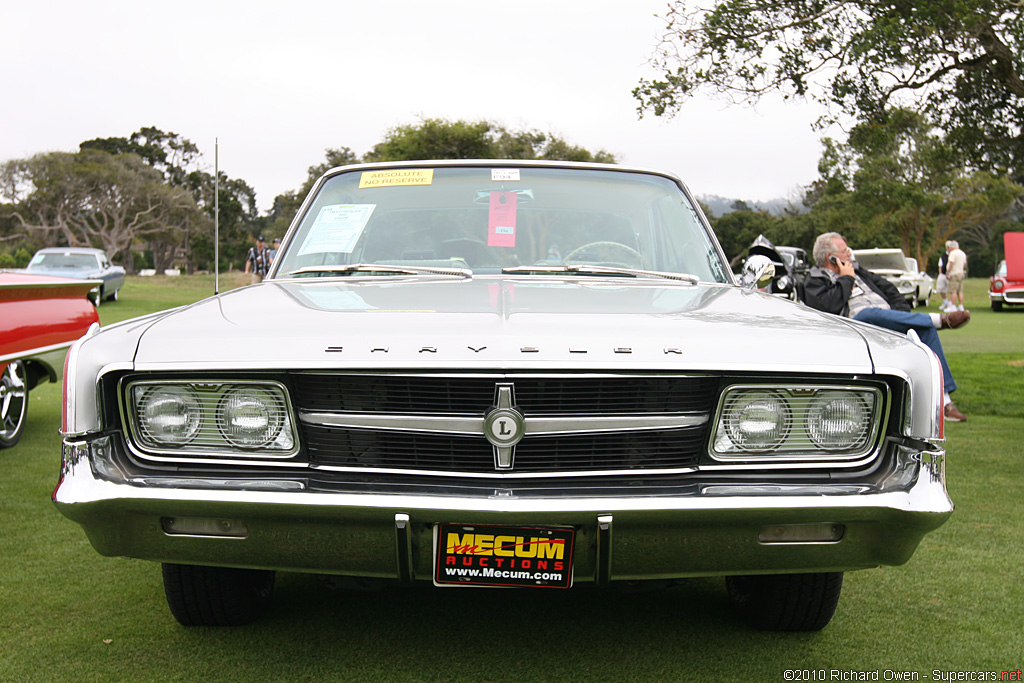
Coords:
pixel 390 178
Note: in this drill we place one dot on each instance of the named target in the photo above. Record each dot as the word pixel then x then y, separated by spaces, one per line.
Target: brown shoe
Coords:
pixel 952 414
pixel 954 319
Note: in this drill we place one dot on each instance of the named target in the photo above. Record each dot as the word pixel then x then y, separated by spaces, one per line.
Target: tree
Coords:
pixel 177 159
pixel 900 184
pixel 287 204
pixel 239 220
pixel 333 157
pixel 737 230
pixel 93 198
pixel 957 61
pixel 435 139
pixel 443 139
pixel 174 156
pixel 439 139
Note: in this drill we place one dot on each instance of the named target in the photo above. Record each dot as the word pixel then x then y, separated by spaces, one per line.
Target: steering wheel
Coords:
pixel 633 253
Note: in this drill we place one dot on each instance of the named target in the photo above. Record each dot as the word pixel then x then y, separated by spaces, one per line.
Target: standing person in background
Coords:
pixel 956 270
pixel 257 261
pixel 942 283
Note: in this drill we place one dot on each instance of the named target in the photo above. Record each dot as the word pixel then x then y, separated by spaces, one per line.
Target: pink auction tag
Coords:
pixel 501 223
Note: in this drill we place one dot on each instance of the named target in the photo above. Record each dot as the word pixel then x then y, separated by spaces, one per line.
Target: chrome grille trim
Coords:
pixel 537 426
pixel 540 393
pixel 468 456
pixel 574 424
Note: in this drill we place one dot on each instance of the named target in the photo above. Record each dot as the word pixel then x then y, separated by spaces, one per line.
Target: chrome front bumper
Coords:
pixel 713 530
pixel 1011 296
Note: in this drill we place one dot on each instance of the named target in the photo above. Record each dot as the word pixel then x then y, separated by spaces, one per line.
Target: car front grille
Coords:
pixel 327 399
pixel 407 394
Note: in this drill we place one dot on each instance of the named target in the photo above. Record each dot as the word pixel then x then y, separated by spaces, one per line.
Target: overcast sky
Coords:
pixel 279 82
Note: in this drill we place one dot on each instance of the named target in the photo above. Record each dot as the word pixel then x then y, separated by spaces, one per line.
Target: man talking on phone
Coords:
pixel 837 285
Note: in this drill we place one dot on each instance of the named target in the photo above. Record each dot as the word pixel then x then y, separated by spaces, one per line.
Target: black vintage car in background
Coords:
pixel 791 267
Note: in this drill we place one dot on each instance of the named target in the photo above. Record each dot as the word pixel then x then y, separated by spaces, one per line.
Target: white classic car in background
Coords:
pixel 81 263
pixel 503 373
pixel 899 269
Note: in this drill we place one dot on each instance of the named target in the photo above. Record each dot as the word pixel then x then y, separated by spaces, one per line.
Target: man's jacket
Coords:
pixel 822 293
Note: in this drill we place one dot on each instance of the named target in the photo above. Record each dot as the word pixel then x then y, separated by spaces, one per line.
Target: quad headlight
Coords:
pixel 213 419
pixel 757 420
pixel 251 416
pixel 169 415
pixel 796 423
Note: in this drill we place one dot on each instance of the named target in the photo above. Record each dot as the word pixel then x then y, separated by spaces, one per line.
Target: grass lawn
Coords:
pixel 68 614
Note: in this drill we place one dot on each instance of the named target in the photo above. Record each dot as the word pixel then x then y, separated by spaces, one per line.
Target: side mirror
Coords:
pixel 758 270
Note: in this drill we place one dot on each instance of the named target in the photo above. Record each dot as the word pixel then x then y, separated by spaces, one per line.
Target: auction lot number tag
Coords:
pixel 522 557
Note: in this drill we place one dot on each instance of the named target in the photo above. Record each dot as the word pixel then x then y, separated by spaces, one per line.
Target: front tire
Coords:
pixel 997 306
pixel 786 602
pixel 216 596
pixel 13 403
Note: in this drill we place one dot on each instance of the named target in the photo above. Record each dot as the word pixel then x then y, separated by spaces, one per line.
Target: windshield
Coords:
pixel 63 260
pixel 487 219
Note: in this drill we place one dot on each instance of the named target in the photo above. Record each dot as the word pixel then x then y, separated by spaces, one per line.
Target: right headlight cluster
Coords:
pixel 211 418
pixel 799 422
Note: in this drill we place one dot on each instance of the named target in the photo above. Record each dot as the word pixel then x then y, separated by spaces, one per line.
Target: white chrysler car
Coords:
pixel 503 373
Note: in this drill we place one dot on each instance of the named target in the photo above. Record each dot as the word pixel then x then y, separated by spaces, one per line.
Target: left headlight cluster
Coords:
pixel 784 423
pixel 210 418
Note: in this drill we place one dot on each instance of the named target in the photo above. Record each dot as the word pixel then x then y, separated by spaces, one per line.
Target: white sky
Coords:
pixel 277 83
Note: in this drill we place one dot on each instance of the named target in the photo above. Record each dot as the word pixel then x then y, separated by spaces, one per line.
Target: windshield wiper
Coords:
pixel 381 269
pixel 603 270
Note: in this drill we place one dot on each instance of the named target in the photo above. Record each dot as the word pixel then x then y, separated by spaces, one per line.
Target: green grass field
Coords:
pixel 68 614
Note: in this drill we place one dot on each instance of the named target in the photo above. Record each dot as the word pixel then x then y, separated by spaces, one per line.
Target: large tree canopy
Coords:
pixel 178 160
pixel 443 139
pixel 93 198
pixel 958 61
pixel 174 156
pixel 902 185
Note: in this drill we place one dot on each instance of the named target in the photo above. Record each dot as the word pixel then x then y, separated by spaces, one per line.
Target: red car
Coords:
pixel 40 317
pixel 1006 287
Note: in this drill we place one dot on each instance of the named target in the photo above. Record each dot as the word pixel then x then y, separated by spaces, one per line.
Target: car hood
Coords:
pixel 1013 245
pixel 499 323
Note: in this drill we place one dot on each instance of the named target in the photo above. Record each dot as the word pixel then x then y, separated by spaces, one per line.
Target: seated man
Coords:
pixel 835 285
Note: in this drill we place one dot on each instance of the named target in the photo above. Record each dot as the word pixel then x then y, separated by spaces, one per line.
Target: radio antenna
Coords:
pixel 216 217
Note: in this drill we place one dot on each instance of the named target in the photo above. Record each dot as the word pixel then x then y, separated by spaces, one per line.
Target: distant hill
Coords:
pixel 722 205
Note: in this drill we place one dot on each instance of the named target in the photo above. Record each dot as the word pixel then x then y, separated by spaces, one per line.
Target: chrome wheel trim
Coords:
pixel 13 403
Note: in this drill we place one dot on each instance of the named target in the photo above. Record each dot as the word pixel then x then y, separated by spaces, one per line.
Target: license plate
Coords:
pixel 521 557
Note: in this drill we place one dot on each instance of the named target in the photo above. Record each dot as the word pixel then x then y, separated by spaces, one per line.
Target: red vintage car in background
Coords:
pixel 1006 287
pixel 40 317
